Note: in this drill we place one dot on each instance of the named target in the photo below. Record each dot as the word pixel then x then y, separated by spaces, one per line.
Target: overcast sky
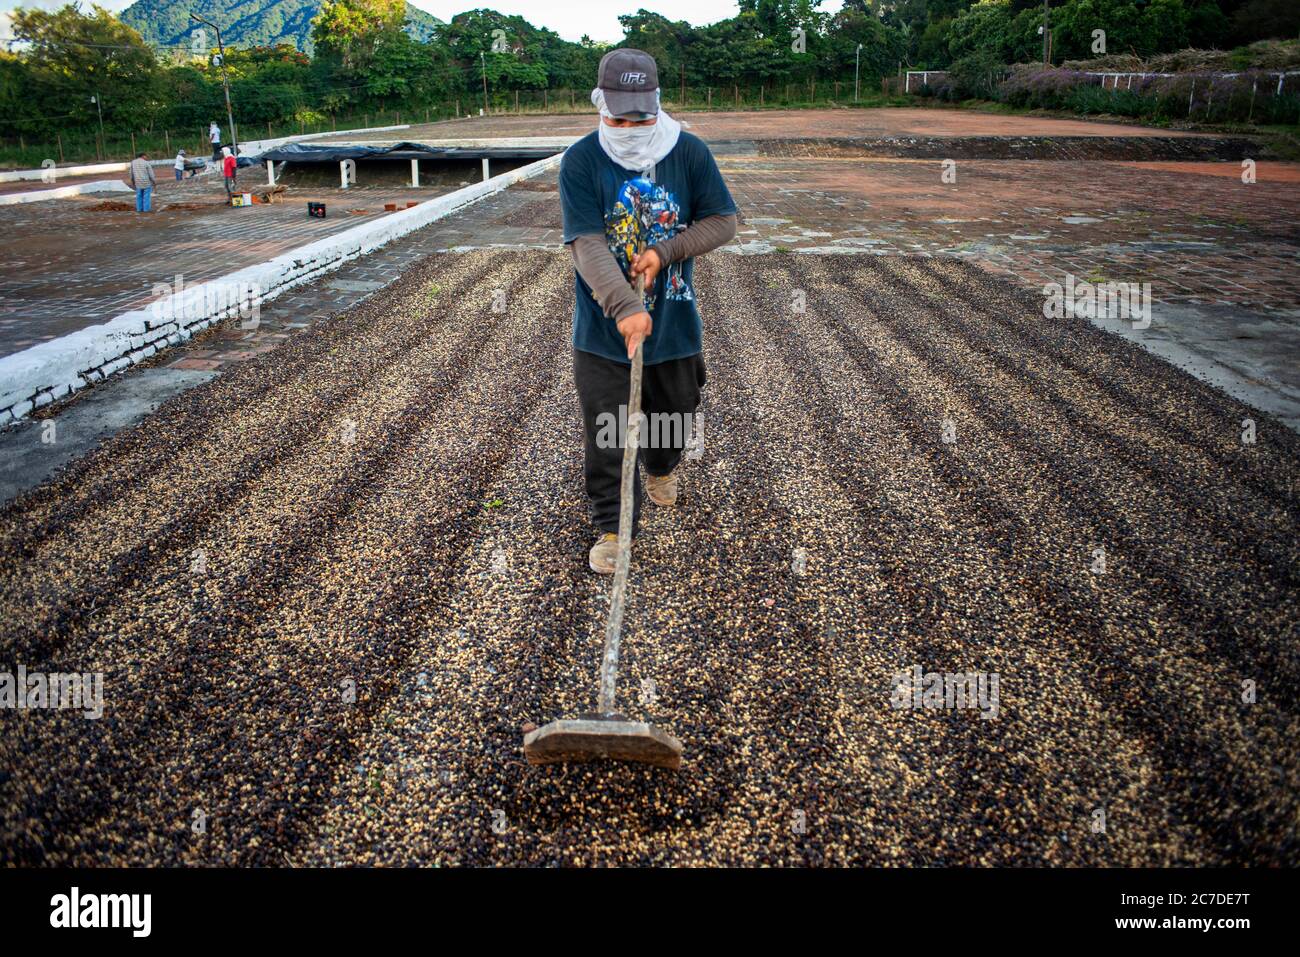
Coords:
pixel 569 18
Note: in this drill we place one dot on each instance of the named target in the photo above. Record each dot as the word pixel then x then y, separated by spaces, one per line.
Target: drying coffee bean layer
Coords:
pixel 329 589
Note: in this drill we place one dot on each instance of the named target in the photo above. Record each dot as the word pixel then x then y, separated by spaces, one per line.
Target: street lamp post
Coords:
pixel 1047 34
pixel 100 107
pixel 482 59
pixel 857 63
pixel 225 82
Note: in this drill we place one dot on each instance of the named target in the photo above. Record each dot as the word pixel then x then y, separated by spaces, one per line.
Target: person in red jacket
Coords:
pixel 228 166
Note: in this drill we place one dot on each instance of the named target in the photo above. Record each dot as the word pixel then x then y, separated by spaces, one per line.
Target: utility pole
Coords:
pixel 482 59
pixel 857 63
pixel 225 82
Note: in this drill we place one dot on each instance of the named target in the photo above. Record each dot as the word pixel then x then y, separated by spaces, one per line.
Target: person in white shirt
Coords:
pixel 180 165
pixel 214 136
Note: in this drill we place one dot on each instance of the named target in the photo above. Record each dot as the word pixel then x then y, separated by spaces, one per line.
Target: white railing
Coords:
pixel 1114 78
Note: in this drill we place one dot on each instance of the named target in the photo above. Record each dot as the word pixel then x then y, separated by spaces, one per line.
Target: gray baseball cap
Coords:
pixel 630 81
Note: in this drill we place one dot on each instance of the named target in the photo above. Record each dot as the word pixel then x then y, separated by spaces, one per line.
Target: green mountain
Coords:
pixel 244 23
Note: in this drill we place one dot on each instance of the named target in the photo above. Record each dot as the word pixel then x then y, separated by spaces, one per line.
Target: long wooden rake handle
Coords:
pixel 618 594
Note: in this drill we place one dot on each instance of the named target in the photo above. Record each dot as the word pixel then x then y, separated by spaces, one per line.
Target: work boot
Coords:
pixel 662 489
pixel 603 554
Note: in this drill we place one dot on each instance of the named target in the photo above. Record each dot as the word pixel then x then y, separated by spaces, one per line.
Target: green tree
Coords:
pixel 1002 30
pixel 883 47
pixel 349 31
pixel 1207 25
pixel 193 97
pixel 931 50
pixel 1267 20
pixel 366 58
pixel 71 56
pixel 987 28
pixel 1073 23
pixel 669 42
pixel 514 54
pixel 20 110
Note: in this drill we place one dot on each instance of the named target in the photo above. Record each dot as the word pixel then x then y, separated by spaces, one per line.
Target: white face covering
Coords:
pixel 636 147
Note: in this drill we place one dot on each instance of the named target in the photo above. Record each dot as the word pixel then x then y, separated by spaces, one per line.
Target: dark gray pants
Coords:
pixel 670 395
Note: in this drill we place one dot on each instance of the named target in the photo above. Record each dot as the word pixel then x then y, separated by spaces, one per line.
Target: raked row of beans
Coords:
pixel 328 590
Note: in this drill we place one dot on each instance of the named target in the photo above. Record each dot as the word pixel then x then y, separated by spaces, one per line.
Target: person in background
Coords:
pixel 142 179
pixel 214 137
pixel 180 165
pixel 228 167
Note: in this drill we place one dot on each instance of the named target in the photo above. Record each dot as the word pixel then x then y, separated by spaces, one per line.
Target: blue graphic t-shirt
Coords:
pixel 599 196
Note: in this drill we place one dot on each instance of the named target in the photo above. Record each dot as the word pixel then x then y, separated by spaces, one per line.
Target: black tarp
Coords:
pixel 316 153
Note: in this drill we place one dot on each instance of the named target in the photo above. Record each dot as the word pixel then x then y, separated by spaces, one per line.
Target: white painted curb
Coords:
pixel 51 370
pixel 18 175
pixel 39 195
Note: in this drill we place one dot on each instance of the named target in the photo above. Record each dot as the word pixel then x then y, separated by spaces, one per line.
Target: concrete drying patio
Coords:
pixel 331 580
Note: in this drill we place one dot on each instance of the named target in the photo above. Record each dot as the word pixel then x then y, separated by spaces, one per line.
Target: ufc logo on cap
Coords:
pixel 637 78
